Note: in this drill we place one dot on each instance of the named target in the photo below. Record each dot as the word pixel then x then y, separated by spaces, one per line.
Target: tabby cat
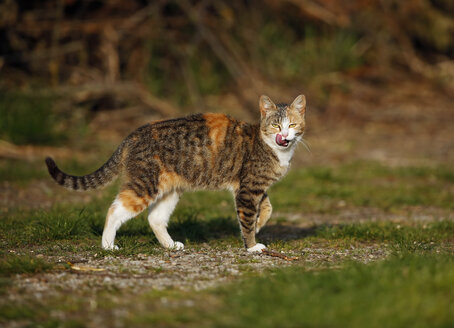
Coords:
pixel 162 159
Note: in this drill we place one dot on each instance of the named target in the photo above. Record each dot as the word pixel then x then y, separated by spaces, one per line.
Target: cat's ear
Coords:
pixel 299 104
pixel 266 104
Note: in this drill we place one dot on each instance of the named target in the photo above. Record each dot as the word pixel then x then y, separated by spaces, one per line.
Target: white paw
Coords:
pixel 177 246
pixel 110 247
pixel 258 248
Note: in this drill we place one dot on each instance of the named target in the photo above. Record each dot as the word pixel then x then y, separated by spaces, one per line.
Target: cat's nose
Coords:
pixel 284 133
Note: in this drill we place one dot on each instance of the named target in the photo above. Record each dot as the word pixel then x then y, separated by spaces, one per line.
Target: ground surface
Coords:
pixel 374 198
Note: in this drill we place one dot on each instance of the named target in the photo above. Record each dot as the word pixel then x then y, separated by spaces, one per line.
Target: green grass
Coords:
pixel 80 228
pixel 397 238
pixel 313 189
pixel 411 287
pixel 402 291
pixel 410 291
pixel 210 216
pixel 370 184
pixel 401 238
pixel 388 231
pixel 11 264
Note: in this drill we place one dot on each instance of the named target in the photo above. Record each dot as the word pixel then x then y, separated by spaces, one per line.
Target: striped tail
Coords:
pixel 95 180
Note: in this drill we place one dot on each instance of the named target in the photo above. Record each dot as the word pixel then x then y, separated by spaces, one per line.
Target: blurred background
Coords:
pixel 375 182
pixel 77 76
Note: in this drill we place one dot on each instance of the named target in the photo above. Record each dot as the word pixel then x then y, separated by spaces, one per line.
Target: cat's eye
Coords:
pixel 275 125
pixel 292 125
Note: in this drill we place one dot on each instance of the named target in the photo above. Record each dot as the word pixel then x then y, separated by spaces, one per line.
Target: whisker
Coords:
pixel 304 142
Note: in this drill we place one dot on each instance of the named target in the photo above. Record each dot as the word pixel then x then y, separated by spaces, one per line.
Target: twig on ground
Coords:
pixel 280 255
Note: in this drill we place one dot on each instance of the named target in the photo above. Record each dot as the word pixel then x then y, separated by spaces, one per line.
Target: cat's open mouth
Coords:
pixel 281 141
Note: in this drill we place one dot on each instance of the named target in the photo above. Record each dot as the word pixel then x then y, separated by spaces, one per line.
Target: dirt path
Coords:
pixel 184 270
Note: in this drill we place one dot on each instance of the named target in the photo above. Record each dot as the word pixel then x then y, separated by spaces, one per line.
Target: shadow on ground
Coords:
pixel 279 232
pixel 197 230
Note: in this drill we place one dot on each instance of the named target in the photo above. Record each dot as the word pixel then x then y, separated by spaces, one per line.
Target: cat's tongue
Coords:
pixel 281 141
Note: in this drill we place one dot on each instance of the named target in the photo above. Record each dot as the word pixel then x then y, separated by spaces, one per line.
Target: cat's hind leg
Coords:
pixel 126 206
pixel 265 210
pixel 159 218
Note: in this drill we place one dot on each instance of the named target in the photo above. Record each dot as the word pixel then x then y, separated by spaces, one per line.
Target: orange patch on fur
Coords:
pixel 169 181
pixel 296 118
pixel 217 128
pixel 109 214
pixel 132 202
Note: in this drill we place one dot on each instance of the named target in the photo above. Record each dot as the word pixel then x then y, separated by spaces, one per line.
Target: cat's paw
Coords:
pixel 110 247
pixel 177 246
pixel 258 248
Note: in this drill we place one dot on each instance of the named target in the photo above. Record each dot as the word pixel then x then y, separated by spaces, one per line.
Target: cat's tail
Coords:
pixel 95 180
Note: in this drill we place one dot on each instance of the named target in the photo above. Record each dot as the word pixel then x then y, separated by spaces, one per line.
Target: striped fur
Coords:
pixel 200 151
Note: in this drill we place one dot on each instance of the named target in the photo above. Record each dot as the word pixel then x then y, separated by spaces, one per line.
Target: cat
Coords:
pixel 162 159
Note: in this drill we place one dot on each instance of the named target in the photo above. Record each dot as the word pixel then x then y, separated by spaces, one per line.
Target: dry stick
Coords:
pixel 276 254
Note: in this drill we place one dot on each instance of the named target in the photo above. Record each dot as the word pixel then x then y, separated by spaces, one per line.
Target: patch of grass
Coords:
pixel 17 264
pixel 411 291
pixel 37 315
pixel 389 237
pixel 59 226
pixel 207 204
pixel 403 238
pixel 388 231
pixel 210 216
pixel 41 227
pixel 28 119
pixel 321 189
pixel 78 228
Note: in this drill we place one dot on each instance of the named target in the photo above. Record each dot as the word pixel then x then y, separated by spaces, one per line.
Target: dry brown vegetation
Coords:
pixel 108 54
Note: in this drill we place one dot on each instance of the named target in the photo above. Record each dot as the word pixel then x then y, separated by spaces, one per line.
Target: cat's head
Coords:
pixel 282 125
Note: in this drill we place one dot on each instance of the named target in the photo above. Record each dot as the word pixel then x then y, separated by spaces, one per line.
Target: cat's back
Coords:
pixel 208 129
pixel 205 149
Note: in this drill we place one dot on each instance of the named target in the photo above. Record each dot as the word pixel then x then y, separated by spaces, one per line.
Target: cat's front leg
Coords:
pixel 247 202
pixel 265 210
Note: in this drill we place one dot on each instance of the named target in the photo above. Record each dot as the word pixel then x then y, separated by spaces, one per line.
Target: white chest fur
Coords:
pixel 283 154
